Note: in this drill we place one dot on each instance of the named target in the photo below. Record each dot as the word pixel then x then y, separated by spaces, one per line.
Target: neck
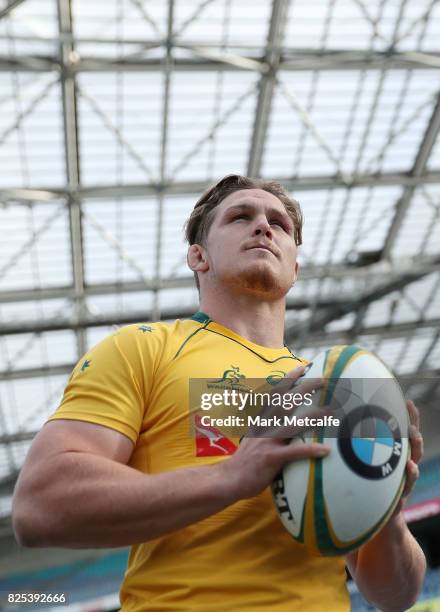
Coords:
pixel 261 322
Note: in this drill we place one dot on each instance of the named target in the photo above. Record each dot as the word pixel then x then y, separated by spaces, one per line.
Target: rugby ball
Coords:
pixel 335 504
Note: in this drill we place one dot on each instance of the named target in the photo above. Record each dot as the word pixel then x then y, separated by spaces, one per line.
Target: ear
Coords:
pixel 196 258
pixel 296 273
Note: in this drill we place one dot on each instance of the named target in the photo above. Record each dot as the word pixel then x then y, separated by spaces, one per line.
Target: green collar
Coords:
pixel 201 317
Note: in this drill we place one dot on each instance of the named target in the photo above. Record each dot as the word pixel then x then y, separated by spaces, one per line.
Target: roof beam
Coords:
pixel 318 322
pixel 398 330
pixel 386 332
pixel 272 58
pixel 71 145
pixel 167 68
pixel 336 271
pixel 330 306
pixel 51 293
pixel 417 171
pixel 10 7
pixel 290 60
pixel 72 323
pixel 27 63
pixel 182 188
pixel 41 372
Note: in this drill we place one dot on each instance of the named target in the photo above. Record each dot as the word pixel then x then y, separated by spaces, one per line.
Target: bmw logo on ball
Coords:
pixel 370 442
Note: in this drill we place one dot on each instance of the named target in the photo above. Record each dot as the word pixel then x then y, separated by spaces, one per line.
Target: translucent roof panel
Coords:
pixel 433 359
pixel 414 351
pixel 120 240
pixel 340 221
pixel 184 299
pixel 395 351
pixel 23 415
pixel 120 123
pixel 35 246
pixel 350 122
pixel 413 304
pixel 120 304
pixel 420 230
pixel 35 310
pixel 212 145
pixel 33 350
pixel 117 19
pixel 31 28
pixel 359 25
pixel 224 23
pixel 421 27
pixel 434 159
pixel 31 130
pixel 176 212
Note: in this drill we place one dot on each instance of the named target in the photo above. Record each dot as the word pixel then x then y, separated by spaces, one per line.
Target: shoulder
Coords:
pixel 160 330
pixel 159 336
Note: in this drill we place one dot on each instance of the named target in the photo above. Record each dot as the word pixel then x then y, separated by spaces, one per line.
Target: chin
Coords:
pixel 260 282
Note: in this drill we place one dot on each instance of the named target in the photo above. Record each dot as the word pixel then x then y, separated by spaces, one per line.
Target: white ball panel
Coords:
pixel 366 366
pixel 296 477
pixel 355 504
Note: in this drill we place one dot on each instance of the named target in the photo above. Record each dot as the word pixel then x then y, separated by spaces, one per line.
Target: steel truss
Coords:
pixel 208 60
pixel 270 65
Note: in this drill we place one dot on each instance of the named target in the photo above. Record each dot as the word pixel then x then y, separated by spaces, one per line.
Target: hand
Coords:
pixel 416 444
pixel 259 459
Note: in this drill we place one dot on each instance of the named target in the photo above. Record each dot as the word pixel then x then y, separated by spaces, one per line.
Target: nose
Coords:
pixel 262 227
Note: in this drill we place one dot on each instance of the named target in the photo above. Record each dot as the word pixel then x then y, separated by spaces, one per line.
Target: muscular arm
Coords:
pixel 76 490
pixel 81 493
pixel 389 570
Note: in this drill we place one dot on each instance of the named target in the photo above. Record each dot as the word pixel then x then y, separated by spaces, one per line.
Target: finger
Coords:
pixel 296 372
pixel 414 415
pixel 302 425
pixel 298 387
pixel 412 475
pixel 282 400
pixel 294 379
pixel 307 385
pixel 416 441
pixel 308 450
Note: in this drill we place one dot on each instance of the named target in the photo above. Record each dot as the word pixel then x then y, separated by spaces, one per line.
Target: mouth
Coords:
pixel 260 247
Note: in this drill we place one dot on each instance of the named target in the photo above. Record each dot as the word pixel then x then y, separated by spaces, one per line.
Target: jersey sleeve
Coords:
pixel 111 384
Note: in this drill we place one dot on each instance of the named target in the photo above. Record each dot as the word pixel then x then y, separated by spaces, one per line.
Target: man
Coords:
pixel 116 465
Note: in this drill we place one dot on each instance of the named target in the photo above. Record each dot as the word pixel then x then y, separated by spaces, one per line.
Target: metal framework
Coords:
pixel 157 102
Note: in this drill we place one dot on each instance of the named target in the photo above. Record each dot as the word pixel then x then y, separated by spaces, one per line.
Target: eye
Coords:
pixel 280 224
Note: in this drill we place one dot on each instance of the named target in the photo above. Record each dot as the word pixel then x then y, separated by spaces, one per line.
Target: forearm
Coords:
pixel 90 501
pixel 391 567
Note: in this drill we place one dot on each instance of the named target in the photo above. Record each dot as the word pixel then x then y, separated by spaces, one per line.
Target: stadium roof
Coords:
pixel 117 114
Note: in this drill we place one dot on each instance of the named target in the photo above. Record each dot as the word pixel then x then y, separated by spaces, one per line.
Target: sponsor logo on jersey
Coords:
pixel 231 375
pixel 210 442
pixel 232 378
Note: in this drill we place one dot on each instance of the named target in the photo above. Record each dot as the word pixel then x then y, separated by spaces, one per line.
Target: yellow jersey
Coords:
pixel 242 559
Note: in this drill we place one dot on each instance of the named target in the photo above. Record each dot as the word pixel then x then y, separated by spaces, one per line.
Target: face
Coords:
pixel 250 246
